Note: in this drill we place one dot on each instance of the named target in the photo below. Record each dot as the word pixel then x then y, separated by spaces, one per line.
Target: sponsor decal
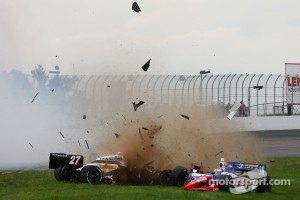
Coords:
pixel 59 155
pixel 292 75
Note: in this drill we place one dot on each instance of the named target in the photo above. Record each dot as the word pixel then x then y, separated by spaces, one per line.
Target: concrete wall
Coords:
pixel 267 123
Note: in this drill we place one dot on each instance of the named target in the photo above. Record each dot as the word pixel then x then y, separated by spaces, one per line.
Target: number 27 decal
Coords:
pixel 74 160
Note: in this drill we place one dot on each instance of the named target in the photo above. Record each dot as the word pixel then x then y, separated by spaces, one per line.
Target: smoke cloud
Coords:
pixel 165 135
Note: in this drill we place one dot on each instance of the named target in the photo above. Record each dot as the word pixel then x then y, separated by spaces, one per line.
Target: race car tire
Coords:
pixel 269 184
pixel 225 180
pixel 60 173
pixel 164 177
pixel 261 188
pixel 82 175
pixel 93 174
pixel 179 176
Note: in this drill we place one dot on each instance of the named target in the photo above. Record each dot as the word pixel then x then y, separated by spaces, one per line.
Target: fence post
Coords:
pixel 206 89
pixel 94 86
pixel 133 82
pixel 266 94
pixel 175 92
pixel 219 87
pixel 249 93
pixel 141 85
pixel 229 98
pixel 183 89
pixel 148 87
pixel 161 89
pixel 243 86
pixel 154 98
pixel 257 95
pixel 236 86
pixel 283 94
pixel 224 89
pixel 201 87
pixel 169 87
pixel 274 94
pixel 188 96
pixel 194 88
pixel 212 89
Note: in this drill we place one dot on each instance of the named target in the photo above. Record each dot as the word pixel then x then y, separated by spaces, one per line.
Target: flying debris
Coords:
pixel 136 7
pixel 184 116
pixel 141 137
pixel 62 135
pixel 79 143
pixel 87 144
pixel 219 152
pixel 84 117
pixel 117 135
pixel 233 110
pixel 52 90
pixel 34 97
pixel 30 145
pixel 146 65
pixel 136 105
pixel 160 116
pixel 145 129
pixel 108 85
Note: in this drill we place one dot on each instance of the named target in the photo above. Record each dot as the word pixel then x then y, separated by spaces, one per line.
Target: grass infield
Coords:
pixel 42 185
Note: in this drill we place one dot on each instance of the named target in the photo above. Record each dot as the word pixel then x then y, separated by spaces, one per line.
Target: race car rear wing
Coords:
pixel 247 166
pixel 59 159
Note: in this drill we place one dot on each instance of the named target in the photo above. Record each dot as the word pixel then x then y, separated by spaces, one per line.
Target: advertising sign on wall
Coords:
pixel 292 74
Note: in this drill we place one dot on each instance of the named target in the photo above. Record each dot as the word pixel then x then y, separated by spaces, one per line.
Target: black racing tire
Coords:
pixel 60 173
pixel 269 184
pixel 224 182
pixel 179 176
pixel 164 177
pixel 82 175
pixel 261 188
pixel 93 174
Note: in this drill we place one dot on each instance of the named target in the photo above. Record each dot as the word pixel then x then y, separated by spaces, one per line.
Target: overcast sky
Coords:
pixel 180 36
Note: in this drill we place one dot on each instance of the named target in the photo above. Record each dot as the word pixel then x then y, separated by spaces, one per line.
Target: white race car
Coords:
pixel 106 169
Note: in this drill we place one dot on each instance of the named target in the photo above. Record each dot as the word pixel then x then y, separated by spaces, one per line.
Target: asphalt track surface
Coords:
pixel 280 143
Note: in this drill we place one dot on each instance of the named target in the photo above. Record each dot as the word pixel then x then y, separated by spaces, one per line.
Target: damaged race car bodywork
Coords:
pixel 106 169
pixel 236 177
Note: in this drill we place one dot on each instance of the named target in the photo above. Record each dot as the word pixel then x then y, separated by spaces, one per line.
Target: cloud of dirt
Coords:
pixel 166 135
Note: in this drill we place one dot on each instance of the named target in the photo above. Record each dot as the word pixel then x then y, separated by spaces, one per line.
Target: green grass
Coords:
pixel 42 185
